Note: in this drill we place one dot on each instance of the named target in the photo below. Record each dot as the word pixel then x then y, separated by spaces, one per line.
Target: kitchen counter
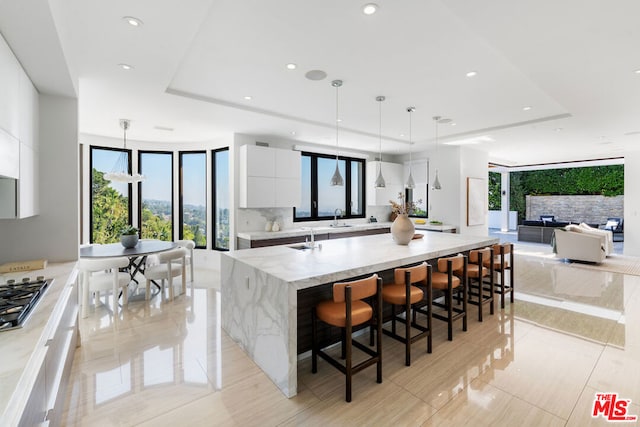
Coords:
pixel 260 288
pixel 305 231
pixel 24 349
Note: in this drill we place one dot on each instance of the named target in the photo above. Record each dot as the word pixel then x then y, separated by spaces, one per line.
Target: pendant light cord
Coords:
pixel 337 124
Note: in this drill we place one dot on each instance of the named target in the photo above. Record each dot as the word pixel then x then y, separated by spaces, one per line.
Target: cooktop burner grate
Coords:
pixel 17 301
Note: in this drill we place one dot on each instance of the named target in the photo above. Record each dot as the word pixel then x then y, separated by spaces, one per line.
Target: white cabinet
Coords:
pixel 269 177
pixel 9 90
pixel 392 174
pixel 19 137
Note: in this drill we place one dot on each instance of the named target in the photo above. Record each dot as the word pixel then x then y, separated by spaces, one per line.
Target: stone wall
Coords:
pixel 589 209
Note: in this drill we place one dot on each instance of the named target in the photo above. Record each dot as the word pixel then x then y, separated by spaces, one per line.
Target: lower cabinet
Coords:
pixel 246 243
pixel 47 398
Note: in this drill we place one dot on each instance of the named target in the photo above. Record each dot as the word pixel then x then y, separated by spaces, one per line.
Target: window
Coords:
pixel 156 195
pixel 221 198
pixel 320 200
pixel 110 205
pixel 419 195
pixel 193 197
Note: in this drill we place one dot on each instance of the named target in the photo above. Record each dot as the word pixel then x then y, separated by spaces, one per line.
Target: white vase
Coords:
pixel 402 229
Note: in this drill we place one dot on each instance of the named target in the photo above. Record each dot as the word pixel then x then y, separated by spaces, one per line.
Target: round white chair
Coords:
pixel 103 274
pixel 171 264
pixel 189 245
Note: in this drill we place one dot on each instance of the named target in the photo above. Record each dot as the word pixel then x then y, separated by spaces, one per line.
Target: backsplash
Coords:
pixel 256 219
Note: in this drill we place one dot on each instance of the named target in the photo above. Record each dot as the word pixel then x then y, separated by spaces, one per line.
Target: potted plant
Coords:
pixel 129 236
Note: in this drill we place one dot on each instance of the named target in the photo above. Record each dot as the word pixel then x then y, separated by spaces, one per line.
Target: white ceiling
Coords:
pixel 194 62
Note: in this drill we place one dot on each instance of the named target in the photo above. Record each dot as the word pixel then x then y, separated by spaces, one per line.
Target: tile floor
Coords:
pixel 538 362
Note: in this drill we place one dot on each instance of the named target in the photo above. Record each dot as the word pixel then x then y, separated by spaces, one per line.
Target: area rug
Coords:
pixel 613 263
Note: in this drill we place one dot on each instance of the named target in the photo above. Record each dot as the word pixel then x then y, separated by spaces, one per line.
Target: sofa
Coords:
pixel 540 231
pixel 583 243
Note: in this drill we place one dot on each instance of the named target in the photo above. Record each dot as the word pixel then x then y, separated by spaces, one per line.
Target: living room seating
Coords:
pixel 583 243
pixel 615 225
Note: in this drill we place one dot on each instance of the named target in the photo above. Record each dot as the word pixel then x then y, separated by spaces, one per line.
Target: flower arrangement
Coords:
pixel 403 208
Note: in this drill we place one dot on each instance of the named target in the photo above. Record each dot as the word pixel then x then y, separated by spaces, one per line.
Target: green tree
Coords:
pixel 110 210
pixel 495 187
pixel 154 226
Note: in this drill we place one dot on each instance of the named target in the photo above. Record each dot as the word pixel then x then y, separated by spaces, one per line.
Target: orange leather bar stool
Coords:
pixel 402 293
pixel 444 280
pixel 479 292
pixel 502 265
pixel 346 310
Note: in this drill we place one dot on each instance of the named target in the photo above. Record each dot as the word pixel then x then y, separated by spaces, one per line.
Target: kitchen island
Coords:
pixel 260 288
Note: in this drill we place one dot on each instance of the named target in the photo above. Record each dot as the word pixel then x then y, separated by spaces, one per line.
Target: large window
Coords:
pixel 320 200
pixel 193 197
pixel 156 195
pixel 221 198
pixel 110 206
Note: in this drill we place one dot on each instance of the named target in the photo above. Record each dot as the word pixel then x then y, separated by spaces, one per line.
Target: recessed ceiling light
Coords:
pixel 339 120
pixel 558 129
pixel 133 21
pixel 125 66
pixel 454 124
pixel 293 133
pixel 248 98
pixel 472 73
pixel 637 71
pixel 291 66
pixel 370 8
pixel 527 108
pixel 402 135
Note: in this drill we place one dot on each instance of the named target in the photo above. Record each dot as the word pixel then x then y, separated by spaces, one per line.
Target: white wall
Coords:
pixel 53 234
pixel 631 204
pixel 473 164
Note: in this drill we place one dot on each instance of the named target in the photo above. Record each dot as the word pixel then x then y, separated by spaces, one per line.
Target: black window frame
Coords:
pixel 347 182
pixel 130 186
pixel 140 153
pixel 214 206
pixel 181 196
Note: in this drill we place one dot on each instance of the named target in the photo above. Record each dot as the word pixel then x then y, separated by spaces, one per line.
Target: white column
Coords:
pixel 504 214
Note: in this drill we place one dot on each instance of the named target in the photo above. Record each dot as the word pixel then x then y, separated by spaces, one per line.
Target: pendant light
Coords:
pixel 410 182
pixel 336 179
pixel 436 182
pixel 120 171
pixel 380 179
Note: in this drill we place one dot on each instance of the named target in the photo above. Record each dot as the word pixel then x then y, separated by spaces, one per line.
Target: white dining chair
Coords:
pixel 103 274
pixel 172 264
pixel 189 245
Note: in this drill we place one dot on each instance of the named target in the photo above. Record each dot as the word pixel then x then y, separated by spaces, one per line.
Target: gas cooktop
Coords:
pixel 18 300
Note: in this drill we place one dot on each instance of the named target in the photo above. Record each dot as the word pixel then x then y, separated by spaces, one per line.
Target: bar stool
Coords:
pixel 346 310
pixel 444 280
pixel 477 292
pixel 500 266
pixel 402 293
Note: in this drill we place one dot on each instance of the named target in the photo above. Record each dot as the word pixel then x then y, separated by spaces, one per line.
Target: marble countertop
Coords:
pixel 301 231
pixel 24 347
pixel 339 259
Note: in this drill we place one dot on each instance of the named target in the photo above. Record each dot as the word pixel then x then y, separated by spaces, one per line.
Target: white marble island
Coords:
pixel 260 288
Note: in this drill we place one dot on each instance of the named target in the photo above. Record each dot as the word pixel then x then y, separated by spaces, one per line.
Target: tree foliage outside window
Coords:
pixel 495 188
pixel 110 210
pixel 597 180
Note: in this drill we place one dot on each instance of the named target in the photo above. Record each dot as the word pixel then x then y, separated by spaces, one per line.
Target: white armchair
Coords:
pixel 103 274
pixel 583 243
pixel 172 264
pixel 189 245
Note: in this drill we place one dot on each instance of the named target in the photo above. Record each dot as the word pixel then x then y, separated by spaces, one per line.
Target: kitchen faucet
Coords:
pixel 335 216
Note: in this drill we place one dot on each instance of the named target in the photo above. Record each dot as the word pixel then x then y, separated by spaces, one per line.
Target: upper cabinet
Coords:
pixel 269 177
pixel 392 174
pixel 9 90
pixel 19 154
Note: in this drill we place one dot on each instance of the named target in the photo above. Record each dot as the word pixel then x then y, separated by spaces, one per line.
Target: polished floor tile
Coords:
pixel 572 332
